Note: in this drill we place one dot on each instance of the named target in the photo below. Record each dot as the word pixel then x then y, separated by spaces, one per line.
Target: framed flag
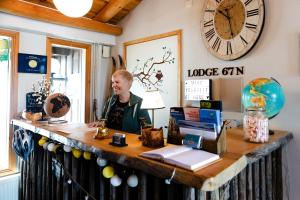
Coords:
pixel 30 63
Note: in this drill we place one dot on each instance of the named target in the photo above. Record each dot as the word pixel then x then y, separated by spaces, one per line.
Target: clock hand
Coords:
pixel 229 20
pixel 224 14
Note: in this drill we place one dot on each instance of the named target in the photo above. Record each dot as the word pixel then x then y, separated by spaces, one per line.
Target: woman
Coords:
pixel 123 110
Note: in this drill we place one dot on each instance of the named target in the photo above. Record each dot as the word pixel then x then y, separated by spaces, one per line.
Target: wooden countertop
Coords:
pixel 239 153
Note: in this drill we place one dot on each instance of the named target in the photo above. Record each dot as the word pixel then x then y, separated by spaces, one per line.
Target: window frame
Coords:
pixel 87 47
pixel 12 165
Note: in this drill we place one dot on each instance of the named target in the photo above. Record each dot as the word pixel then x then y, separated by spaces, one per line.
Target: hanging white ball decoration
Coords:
pixel 132 180
pixel 115 181
pixel 67 148
pixel 101 162
pixel 50 146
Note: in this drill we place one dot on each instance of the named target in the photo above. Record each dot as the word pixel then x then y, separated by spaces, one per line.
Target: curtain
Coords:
pixel 100 81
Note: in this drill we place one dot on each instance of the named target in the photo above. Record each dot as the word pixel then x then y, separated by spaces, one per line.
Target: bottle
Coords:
pixel 256 125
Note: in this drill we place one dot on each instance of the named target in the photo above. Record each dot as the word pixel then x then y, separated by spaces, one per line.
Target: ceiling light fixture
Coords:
pixel 73 8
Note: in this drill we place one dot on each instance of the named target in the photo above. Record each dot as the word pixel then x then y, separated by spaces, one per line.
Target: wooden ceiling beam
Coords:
pixel 111 9
pixel 29 10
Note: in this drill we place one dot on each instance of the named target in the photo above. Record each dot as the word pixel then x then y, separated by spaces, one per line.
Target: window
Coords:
pixel 8 89
pixel 69 70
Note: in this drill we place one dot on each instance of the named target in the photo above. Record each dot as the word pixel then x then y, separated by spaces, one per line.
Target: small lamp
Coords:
pixel 73 8
pixel 152 100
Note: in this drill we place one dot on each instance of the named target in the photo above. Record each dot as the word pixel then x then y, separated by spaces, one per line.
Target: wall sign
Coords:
pixel 196 90
pixel 30 63
pixel 226 71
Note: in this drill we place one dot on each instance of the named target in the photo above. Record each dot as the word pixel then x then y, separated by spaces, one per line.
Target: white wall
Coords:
pixel 275 55
pixel 33 35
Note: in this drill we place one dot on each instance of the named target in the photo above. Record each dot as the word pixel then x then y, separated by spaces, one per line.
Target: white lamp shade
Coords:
pixel 73 8
pixel 152 100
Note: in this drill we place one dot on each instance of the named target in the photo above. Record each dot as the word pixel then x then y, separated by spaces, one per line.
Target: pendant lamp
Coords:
pixel 73 8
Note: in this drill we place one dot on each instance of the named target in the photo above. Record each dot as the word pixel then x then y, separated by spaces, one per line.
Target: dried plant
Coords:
pixel 41 90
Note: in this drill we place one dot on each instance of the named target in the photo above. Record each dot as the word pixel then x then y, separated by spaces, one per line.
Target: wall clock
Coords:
pixel 230 28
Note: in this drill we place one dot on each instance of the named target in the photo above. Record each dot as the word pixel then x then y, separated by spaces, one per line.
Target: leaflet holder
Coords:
pixel 217 146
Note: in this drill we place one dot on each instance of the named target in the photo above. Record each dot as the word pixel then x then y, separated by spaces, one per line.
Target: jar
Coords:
pixel 256 125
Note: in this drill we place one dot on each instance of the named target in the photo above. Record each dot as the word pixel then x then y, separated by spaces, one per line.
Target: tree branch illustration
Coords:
pixel 149 75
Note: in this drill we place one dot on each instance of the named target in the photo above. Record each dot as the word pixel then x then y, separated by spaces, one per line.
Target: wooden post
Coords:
pixel 75 171
pixel 67 194
pixel 142 187
pixel 269 176
pixel 39 183
pixel 249 181
pixel 188 193
pixel 113 193
pixel 33 171
pixel 256 178
pixel 44 175
pixel 49 176
pixel 274 174
pixel 156 188
pixel 279 192
pixel 242 184
pixel 59 181
pixel 234 194
pixel 201 195
pixel 262 176
pixel 214 195
pixel 92 177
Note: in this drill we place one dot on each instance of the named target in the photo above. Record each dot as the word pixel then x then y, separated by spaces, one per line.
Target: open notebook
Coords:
pixel 182 156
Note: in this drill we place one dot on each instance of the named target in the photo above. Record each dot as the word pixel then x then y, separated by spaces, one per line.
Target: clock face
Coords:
pixel 230 28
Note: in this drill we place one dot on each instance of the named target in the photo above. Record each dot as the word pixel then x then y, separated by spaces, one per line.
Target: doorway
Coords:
pixel 69 67
pixel 8 89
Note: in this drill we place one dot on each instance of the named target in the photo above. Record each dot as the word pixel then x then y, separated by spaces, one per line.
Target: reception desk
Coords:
pixel 245 171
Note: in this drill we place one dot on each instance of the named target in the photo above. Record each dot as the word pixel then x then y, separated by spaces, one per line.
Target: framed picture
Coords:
pixel 155 63
pixel 30 63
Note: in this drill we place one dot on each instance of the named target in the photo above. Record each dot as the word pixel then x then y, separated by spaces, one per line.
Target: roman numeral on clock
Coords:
pixel 209 10
pixel 210 34
pixel 217 44
pixel 209 23
pixel 247 2
pixel 218 1
pixel 253 12
pixel 243 40
pixel 229 48
pixel 251 26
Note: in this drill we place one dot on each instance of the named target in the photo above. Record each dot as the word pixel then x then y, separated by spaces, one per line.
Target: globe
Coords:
pixel 264 93
pixel 57 105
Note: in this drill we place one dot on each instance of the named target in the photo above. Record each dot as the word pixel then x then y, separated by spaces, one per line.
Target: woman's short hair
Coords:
pixel 124 73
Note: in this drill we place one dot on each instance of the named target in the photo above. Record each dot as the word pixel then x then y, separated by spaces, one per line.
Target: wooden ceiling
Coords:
pixel 103 16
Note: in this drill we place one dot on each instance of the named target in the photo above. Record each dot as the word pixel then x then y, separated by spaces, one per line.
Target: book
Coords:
pixel 191 113
pixel 182 156
pixel 206 130
pixel 211 116
pixel 177 113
